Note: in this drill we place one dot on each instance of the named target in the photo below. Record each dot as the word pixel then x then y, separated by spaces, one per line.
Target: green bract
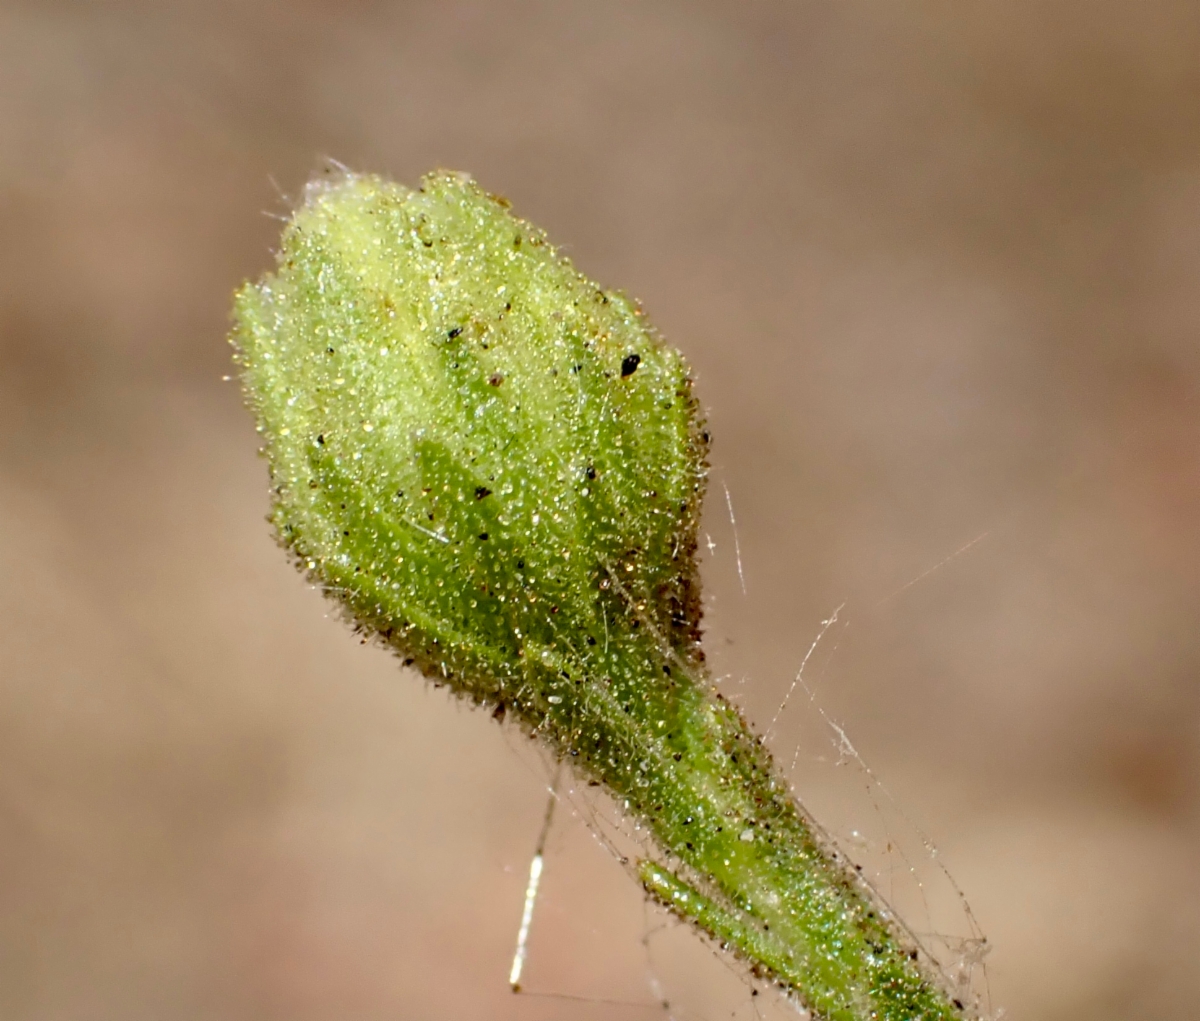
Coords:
pixel 497 466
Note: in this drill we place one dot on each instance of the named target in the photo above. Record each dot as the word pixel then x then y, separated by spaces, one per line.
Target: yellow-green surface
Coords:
pixel 497 467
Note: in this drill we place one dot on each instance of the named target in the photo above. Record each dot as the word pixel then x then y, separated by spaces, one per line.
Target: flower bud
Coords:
pixel 494 463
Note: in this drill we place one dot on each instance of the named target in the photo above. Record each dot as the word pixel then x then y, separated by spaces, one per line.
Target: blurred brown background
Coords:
pixel 936 267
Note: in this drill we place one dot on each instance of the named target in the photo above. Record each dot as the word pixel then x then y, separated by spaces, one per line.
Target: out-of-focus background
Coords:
pixel 936 266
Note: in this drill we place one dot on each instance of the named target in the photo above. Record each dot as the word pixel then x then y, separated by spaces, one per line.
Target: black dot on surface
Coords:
pixel 455 332
pixel 481 492
pixel 629 364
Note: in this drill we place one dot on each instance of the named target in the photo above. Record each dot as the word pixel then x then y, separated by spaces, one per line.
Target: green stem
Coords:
pixel 746 864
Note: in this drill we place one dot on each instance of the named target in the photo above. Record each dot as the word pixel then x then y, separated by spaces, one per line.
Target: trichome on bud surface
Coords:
pixel 497 467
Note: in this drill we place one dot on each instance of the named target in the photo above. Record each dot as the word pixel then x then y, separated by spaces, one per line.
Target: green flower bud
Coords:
pixel 496 466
